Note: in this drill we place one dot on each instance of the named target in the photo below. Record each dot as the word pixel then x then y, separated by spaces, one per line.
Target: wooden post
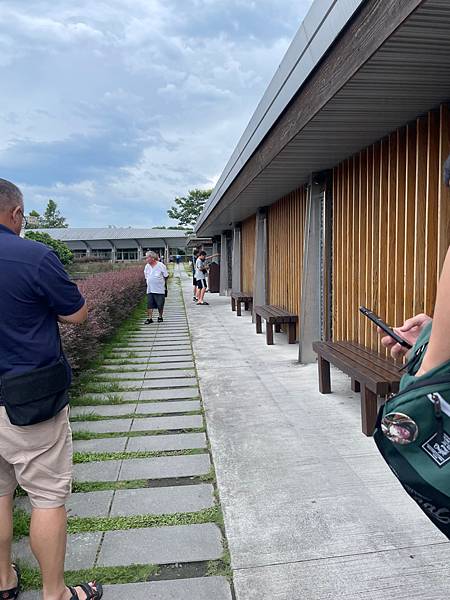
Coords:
pixel 258 324
pixel 239 307
pixel 369 411
pixel 269 333
pixel 324 376
pixel 233 304
pixel 292 333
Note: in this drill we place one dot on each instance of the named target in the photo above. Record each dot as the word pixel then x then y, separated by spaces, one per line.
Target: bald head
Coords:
pixel 10 196
pixel 11 206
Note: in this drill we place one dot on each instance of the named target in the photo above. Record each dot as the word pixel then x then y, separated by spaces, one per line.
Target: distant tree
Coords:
pixel 33 220
pixel 52 218
pixel 187 209
pixel 177 227
pixel 62 250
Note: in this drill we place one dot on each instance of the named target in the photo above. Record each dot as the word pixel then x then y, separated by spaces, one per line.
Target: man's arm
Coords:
pixel 77 318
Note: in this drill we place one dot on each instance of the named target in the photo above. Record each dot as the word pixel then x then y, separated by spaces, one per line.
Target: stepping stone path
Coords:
pixel 155 409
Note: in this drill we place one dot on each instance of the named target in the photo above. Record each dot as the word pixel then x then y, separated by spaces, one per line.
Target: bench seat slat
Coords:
pixel 382 371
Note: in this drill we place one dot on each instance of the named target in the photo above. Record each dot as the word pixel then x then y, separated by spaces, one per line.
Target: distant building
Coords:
pixel 121 243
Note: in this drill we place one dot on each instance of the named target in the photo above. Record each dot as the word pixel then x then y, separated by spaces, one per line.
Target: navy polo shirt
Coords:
pixel 34 290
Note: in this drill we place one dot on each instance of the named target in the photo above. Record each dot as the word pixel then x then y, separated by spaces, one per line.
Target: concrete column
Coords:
pixel 166 253
pixel 260 276
pixel 236 260
pixel 113 252
pixel 224 288
pixel 140 251
pixel 215 249
pixel 88 249
pixel 312 297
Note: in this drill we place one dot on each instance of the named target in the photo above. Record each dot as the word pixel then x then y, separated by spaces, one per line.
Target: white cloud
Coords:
pixel 114 108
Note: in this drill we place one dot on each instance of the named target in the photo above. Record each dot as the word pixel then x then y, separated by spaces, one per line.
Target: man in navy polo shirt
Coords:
pixel 35 293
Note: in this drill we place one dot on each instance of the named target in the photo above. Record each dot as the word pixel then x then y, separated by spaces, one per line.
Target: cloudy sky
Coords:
pixel 114 107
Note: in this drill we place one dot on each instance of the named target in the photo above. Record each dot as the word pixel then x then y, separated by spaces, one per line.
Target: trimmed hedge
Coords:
pixel 111 297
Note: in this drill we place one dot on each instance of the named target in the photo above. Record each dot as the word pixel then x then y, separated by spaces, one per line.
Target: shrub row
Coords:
pixel 111 298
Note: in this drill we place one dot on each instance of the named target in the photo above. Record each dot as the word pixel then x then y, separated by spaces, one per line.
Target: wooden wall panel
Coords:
pixel 391 227
pixel 248 235
pixel 286 235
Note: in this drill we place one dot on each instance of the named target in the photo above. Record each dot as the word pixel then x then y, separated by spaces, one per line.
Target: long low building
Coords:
pixel 334 196
pixel 120 244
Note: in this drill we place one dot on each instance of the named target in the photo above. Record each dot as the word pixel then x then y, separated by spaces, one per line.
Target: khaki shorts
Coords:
pixel 38 458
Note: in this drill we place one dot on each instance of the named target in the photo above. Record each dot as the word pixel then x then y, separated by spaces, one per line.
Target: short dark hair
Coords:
pixel 202 253
pixel 10 196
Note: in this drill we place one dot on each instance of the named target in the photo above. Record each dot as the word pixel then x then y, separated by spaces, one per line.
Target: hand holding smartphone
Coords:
pixel 384 327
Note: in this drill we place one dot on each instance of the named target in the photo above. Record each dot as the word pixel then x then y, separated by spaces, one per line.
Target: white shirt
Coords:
pixel 155 278
pixel 199 265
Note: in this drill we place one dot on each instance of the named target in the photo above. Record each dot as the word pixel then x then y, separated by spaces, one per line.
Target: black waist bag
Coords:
pixel 36 396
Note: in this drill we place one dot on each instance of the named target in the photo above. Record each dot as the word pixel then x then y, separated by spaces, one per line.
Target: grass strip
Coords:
pixel 89 401
pixel 89 524
pixel 31 578
pixel 88 435
pixel 94 417
pixel 87 457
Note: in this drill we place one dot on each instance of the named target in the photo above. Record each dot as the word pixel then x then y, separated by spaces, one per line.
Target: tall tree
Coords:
pixel 187 209
pixel 61 249
pixel 33 220
pixel 52 218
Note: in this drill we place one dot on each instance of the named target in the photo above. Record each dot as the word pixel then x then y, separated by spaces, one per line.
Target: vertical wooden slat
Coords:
pixel 399 263
pixel 444 193
pixel 410 219
pixel 420 224
pixel 432 198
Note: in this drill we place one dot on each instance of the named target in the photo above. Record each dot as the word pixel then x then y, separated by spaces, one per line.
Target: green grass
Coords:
pixel 31 578
pixel 88 524
pixel 79 487
pixel 86 457
pixel 88 435
pixel 91 416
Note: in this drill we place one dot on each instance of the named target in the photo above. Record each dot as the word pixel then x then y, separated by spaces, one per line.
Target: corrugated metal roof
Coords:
pixel 406 77
pixel 73 234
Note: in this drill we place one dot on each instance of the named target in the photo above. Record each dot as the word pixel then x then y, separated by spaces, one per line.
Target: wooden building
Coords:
pixel 334 196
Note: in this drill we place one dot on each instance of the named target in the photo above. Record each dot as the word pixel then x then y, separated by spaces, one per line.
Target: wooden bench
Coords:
pixel 275 316
pixel 371 374
pixel 237 298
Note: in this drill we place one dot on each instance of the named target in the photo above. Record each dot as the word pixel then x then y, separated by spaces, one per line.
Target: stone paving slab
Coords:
pixel 107 367
pixel 151 374
pixel 161 545
pixel 110 410
pixel 158 423
pixel 169 366
pixel 164 467
pixel 90 504
pixel 106 426
pixel 158 443
pixel 148 408
pixel 81 551
pixel 158 360
pixel 163 500
pixel 169 383
pixel 101 445
pixel 136 361
pixel 171 394
pixel 107 470
pixel 199 588
pixel 124 396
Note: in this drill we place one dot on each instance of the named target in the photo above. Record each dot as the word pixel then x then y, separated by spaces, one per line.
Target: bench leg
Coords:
pixel 246 306
pixel 233 304
pixel 369 410
pixel 324 376
pixel 239 308
pixel 292 333
pixel 258 324
pixel 356 386
pixel 277 328
pixel 269 333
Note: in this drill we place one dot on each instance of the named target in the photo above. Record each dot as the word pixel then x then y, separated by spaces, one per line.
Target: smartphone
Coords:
pixel 384 327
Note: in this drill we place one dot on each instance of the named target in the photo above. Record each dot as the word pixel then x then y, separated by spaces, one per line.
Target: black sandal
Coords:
pixel 93 591
pixel 13 593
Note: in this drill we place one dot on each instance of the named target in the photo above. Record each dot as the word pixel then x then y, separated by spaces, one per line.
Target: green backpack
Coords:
pixel 413 435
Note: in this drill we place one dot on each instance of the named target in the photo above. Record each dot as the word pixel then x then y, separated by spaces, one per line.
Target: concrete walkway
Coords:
pixel 155 407
pixel 311 510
